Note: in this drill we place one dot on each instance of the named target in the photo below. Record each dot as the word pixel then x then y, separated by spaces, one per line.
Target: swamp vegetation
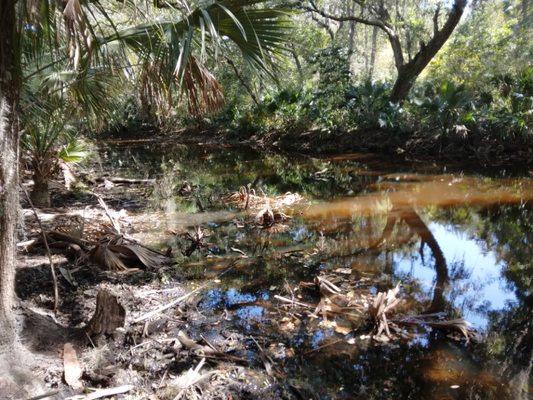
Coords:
pixel 255 199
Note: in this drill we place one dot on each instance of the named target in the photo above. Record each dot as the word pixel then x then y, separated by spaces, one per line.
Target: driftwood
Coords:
pixel 108 316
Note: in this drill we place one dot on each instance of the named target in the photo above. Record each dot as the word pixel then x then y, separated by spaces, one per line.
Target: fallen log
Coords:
pixel 131 181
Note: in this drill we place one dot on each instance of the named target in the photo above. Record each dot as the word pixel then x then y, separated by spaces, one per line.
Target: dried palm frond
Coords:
pixel 116 256
pixel 201 89
pixel 383 303
pixel 247 198
pixel 265 217
pixel 196 241
pixel 333 303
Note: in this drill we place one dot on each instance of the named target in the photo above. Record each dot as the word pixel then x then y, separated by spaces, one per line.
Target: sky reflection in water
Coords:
pixel 483 284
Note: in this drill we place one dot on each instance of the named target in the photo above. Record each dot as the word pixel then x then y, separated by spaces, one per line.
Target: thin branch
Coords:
pixel 114 222
pixel 241 79
pixel 173 303
pixel 324 25
pixel 380 23
pixel 45 240
pixel 341 18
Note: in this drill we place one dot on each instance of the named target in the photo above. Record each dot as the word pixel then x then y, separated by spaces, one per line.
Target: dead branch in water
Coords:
pixel 132 181
pixel 178 300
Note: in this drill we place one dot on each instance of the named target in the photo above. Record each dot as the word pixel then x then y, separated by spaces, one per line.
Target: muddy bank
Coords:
pixel 291 277
pixel 471 152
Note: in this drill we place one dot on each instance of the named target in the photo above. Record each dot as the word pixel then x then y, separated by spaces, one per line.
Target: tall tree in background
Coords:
pixel 380 14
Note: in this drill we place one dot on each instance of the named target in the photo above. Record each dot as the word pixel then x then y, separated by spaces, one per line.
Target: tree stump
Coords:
pixel 108 316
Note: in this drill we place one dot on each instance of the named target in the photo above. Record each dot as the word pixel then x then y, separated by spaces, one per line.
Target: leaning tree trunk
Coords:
pixel 9 148
pixel 409 72
pixel 404 82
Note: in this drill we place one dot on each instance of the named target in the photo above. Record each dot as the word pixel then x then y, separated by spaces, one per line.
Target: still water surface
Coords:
pixel 457 242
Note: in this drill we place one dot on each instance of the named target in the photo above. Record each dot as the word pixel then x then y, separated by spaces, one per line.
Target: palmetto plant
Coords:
pixel 448 106
pixel 50 142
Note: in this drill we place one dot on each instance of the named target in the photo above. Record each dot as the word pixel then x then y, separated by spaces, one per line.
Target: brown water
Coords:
pixel 363 224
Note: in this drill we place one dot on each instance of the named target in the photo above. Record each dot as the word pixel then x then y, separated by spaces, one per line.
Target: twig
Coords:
pixel 323 346
pixel 114 222
pixel 162 379
pixel 167 306
pixel 45 240
pixel 236 250
pixel 286 300
pixel 44 395
pixel 99 393
pixel 174 302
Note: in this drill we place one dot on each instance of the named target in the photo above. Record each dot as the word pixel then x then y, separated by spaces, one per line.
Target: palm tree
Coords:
pixel 164 60
pixel 85 36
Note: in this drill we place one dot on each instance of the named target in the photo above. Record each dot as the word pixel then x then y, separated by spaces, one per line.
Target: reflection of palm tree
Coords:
pixel 417 226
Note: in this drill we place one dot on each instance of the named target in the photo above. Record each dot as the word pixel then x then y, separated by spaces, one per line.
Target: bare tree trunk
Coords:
pixel 525 15
pixel 408 72
pixel 373 50
pixel 367 56
pixel 351 36
pixel 9 148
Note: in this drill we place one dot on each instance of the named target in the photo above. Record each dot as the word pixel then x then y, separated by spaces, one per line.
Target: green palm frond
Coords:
pixel 88 89
pixel 260 34
pixel 174 50
pixel 73 151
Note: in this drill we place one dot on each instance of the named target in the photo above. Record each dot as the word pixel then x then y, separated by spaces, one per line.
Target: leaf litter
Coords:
pixel 152 344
